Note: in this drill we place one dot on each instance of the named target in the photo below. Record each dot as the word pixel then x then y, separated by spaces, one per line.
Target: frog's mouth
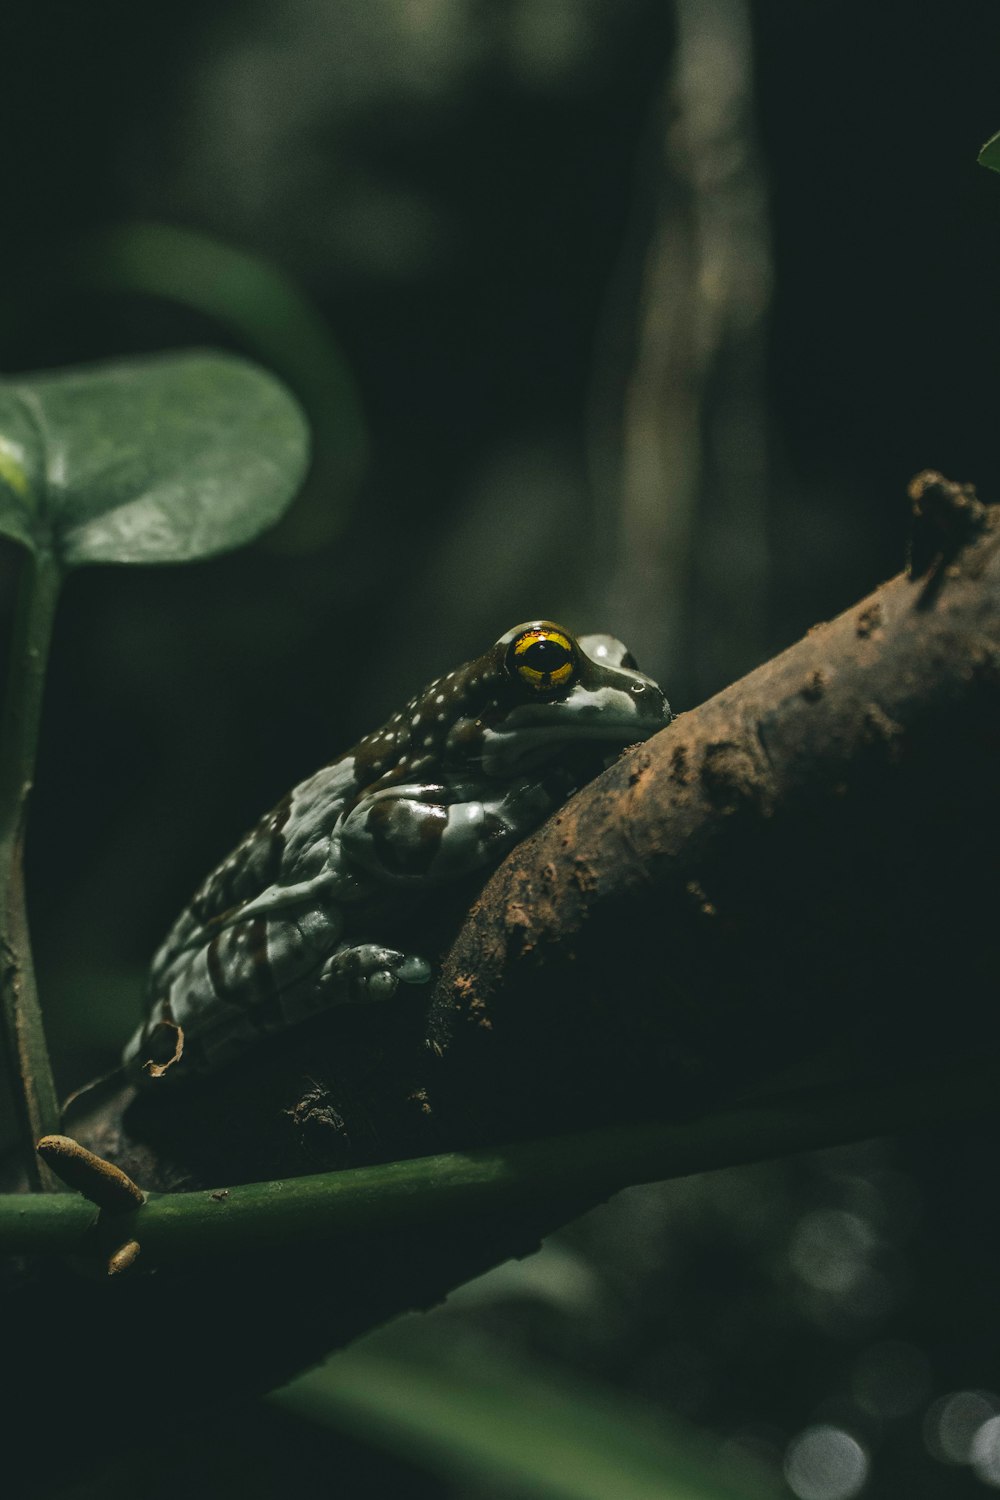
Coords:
pixel 608 717
pixel 520 750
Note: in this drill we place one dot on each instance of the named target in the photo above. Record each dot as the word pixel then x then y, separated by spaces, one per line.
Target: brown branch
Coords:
pixel 794 869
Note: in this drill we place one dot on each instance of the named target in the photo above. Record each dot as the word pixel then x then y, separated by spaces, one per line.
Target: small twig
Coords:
pixel 28 1057
pixel 125 1256
pixel 98 1180
pixel 946 517
pixel 106 1186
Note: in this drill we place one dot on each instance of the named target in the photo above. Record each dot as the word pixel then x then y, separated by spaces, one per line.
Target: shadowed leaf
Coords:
pixel 989 156
pixel 165 459
pixel 464 1409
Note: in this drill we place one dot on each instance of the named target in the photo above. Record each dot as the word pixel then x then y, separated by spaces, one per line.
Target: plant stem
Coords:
pixel 594 1164
pixel 431 1190
pixel 27 1054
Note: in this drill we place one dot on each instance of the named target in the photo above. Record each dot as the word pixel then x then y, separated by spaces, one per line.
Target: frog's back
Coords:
pixel 288 845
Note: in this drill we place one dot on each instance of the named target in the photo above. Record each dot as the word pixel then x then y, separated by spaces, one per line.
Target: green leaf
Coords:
pixel 165 459
pixel 461 1406
pixel 989 156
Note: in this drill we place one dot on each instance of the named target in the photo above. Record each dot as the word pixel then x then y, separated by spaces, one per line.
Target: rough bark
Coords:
pixel 802 866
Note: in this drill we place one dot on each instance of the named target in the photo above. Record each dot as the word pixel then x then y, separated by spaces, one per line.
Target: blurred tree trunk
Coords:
pixel 681 468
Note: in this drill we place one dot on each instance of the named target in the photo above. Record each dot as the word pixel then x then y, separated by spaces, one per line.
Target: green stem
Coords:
pixel 24 1035
pixel 449 1189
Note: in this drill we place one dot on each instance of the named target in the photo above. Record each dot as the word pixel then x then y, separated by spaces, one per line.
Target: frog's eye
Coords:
pixel 543 658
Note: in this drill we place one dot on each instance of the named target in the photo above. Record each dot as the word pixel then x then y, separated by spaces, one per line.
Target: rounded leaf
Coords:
pixel 164 459
pixel 989 156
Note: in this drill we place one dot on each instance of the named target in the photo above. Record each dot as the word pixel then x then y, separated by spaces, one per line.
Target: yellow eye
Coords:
pixel 544 658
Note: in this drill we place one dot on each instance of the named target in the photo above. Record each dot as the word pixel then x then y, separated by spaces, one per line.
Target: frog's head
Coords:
pixel 555 695
pixel 538 698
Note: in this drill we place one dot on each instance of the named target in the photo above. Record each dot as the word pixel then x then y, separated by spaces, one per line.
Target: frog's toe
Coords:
pixel 381 985
pixel 402 968
pixel 367 971
pixel 414 970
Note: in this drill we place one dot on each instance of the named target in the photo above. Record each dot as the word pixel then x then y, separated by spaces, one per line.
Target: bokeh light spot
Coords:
pixel 830 1250
pixel 984 1452
pixel 825 1463
pixel 953 1421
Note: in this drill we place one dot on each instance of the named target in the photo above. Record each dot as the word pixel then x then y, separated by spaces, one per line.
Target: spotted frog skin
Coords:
pixel 451 783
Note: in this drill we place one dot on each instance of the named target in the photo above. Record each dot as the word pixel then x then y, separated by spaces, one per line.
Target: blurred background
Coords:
pixel 639 315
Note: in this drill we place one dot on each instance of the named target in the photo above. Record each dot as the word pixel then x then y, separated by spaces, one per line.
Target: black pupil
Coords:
pixel 545 656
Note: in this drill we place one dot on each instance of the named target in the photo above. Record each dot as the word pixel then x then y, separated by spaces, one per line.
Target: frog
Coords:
pixel 481 757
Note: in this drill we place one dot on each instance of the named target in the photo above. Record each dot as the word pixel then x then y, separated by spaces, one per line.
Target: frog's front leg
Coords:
pixel 367 971
pixel 416 834
pixel 352 975
pixel 355 973
pixel 225 1008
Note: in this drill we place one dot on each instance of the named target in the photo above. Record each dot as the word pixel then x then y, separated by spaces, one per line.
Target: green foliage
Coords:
pixel 468 1411
pixel 158 460
pixel 989 156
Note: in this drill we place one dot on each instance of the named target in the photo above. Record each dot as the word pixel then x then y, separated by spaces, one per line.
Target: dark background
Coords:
pixel 633 316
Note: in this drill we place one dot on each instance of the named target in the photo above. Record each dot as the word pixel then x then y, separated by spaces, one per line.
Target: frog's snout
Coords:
pixel 651 702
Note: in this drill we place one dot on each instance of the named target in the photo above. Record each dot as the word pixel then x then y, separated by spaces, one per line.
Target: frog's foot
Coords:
pixel 366 971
